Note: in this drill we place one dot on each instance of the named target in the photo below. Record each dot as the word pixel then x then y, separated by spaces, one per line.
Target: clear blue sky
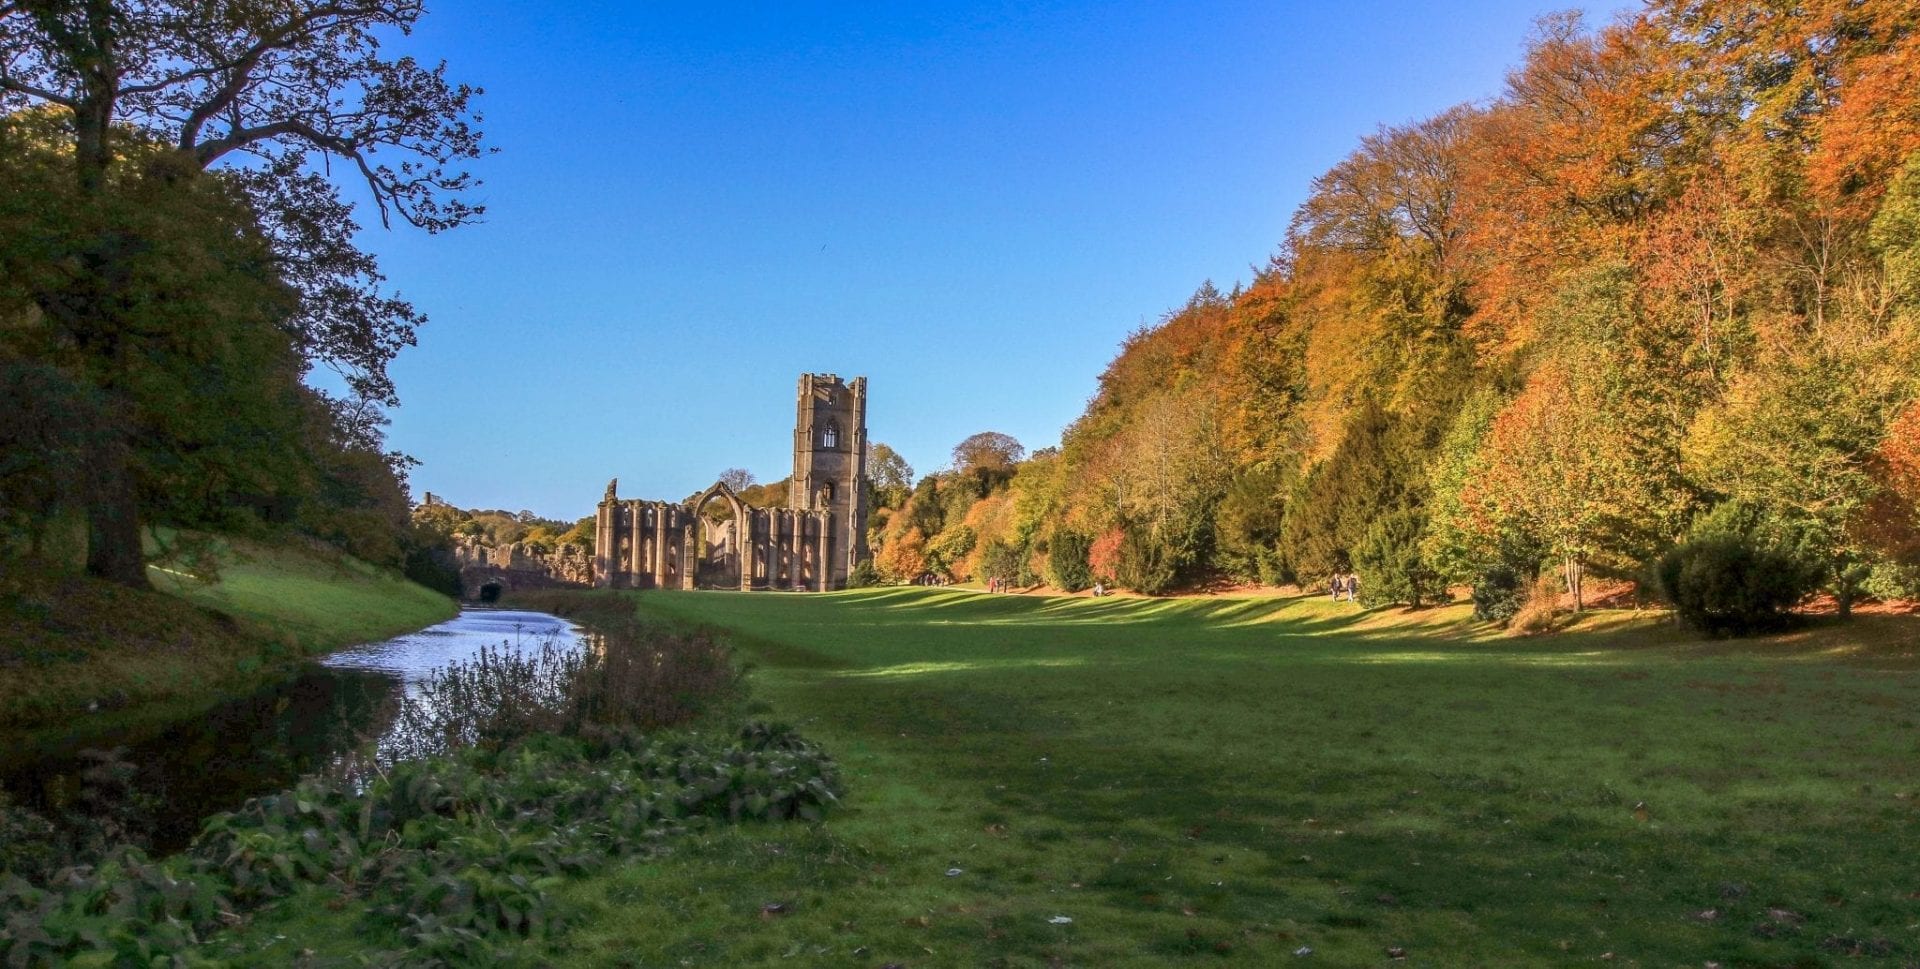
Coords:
pixel 970 204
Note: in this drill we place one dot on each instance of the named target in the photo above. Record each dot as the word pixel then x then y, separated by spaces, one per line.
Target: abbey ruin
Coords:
pixel 716 540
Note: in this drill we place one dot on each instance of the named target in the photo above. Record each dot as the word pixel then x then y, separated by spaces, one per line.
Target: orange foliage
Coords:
pixel 1103 559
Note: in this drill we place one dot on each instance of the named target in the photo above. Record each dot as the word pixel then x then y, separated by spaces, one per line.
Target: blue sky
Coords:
pixel 970 204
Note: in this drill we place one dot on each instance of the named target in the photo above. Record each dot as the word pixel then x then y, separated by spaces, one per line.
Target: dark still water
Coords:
pixel 214 760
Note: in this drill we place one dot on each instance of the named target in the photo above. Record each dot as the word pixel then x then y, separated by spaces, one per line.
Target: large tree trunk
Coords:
pixel 114 550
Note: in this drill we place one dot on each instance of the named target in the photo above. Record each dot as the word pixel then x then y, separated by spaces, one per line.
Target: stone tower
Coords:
pixel 830 465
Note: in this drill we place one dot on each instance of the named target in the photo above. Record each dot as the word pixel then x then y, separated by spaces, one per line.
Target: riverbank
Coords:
pixel 73 648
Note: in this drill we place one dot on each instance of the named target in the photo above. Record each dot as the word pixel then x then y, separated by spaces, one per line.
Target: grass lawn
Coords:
pixel 1238 780
pixel 71 645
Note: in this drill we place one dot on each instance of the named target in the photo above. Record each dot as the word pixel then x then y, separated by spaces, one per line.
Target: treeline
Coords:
pixel 1652 311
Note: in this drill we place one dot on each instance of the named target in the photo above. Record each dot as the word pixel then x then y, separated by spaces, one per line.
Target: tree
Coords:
pixel 890 476
pixel 739 479
pixel 988 451
pixel 285 85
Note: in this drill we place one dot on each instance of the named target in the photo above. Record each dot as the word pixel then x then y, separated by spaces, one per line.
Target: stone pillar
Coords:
pixel 659 569
pixel 635 563
pixel 749 545
pixel 825 572
pixel 686 535
pixel 790 550
pixel 603 545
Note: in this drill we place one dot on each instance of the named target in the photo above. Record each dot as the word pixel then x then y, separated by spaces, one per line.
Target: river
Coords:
pixel 216 759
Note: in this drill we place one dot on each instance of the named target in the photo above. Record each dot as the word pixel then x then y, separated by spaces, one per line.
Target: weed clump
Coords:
pixel 627 675
pixel 1540 613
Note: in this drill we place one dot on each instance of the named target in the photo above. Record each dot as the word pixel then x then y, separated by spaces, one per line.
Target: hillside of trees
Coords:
pixel 1656 302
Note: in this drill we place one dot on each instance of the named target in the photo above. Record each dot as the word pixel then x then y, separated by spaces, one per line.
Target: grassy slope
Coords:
pixel 67 643
pixel 1235 780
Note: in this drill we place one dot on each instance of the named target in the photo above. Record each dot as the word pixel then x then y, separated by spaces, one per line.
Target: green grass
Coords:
pixel 70 647
pixel 1232 780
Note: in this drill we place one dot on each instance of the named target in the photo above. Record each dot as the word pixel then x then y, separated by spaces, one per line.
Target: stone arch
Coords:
pixel 718 560
pixel 719 488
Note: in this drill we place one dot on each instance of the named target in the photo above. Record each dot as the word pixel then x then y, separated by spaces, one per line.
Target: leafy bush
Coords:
pixel 451 855
pixel 1499 590
pixel 863 575
pixel 1733 584
pixel 1067 566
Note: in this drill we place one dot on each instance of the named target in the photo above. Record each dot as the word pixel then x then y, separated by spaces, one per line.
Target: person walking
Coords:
pixel 1353 586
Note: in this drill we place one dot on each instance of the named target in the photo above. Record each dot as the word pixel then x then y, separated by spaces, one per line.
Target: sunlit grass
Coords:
pixel 1236 779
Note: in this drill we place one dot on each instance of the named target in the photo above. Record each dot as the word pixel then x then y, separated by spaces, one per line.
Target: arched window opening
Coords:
pixel 831 436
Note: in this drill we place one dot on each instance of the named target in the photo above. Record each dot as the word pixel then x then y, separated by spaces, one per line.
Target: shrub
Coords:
pixel 1499 591
pixel 1067 566
pixel 631 675
pixel 1146 563
pixel 1733 584
pixel 1389 559
pixel 863 575
pixel 1540 613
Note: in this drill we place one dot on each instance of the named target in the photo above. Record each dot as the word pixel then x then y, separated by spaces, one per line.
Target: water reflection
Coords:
pixel 216 759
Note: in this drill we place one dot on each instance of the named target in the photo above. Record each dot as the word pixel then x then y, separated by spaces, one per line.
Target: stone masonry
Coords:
pixel 811 544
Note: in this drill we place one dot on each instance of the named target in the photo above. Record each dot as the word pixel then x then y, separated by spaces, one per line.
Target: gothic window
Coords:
pixel 830 437
pixel 828 491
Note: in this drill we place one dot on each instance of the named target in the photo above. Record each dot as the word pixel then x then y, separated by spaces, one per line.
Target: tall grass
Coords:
pixel 626 675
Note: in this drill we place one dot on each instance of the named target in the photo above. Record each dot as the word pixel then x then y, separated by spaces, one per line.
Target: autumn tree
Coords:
pixel 989 452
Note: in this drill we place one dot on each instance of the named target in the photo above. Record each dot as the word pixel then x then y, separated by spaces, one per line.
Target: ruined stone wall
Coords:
pixel 521 566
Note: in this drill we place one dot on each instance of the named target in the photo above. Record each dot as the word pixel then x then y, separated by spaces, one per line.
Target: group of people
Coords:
pixel 995 584
pixel 1344 583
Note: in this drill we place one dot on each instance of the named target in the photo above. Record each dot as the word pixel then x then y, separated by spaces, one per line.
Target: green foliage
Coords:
pixel 1248 521
pixel 1731 585
pixel 1006 562
pixel 946 549
pixel 1500 589
pixel 864 574
pixel 1741 570
pixel 47 423
pixel 1391 562
pixel 1147 563
pixel 1456 546
pixel 889 475
pixel 451 856
pixel 1369 476
pixel 1067 567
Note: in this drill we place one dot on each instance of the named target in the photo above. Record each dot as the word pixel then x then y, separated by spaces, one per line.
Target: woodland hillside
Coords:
pixel 1656 301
